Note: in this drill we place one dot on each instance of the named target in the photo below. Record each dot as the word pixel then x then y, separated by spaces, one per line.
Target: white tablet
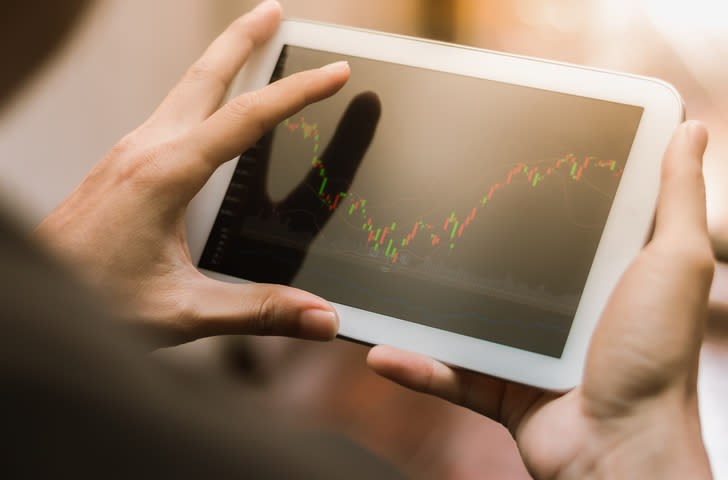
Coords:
pixel 469 205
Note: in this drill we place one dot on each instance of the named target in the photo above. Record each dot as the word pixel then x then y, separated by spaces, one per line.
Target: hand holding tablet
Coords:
pixel 123 227
pixel 636 413
pixel 494 202
pixel 475 207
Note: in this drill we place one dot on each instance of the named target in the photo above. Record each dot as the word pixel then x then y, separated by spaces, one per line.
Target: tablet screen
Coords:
pixel 459 203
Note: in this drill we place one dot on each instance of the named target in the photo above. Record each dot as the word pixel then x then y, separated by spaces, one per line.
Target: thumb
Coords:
pixel 650 333
pixel 681 206
pixel 222 308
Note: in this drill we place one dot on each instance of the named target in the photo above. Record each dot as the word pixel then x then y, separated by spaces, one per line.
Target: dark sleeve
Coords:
pixel 80 398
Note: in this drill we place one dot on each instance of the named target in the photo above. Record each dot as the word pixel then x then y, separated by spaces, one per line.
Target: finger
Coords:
pixel 221 308
pixel 681 209
pixel 423 374
pixel 336 166
pixel 203 87
pixel 240 123
pixel 656 313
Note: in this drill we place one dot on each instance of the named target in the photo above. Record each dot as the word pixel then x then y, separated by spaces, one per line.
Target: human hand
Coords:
pixel 636 413
pixel 123 227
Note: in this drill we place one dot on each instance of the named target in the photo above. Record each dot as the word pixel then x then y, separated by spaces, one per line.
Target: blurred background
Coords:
pixel 126 54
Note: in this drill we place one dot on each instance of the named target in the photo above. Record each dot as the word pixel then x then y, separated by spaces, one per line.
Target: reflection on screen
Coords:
pixel 466 205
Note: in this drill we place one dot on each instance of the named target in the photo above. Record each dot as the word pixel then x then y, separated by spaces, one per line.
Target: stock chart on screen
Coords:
pixel 474 207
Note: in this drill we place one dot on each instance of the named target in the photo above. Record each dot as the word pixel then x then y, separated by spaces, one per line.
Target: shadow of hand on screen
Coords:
pixel 277 235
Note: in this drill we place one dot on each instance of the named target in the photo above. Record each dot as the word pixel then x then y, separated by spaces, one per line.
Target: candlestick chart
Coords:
pixel 391 239
pixel 479 213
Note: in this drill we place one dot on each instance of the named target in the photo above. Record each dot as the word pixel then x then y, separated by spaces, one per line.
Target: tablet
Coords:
pixel 473 206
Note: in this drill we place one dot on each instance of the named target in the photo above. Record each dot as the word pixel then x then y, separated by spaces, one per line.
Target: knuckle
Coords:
pixel 248 108
pixel 124 148
pixel 703 263
pixel 182 309
pixel 201 72
pixel 427 383
pixel 247 104
pixel 174 310
pixel 198 70
pixel 148 163
pixel 693 257
pixel 698 256
pixel 305 83
pixel 144 168
pixel 266 313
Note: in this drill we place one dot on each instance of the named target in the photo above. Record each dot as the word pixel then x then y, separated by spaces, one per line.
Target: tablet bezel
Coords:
pixel 625 232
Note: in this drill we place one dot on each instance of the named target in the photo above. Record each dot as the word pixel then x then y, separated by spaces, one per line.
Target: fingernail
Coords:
pixel 265 5
pixel 342 66
pixel 319 324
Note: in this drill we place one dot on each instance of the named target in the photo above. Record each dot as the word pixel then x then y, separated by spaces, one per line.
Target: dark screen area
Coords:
pixel 467 205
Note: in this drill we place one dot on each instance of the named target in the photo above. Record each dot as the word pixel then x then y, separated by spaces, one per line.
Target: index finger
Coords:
pixel 240 123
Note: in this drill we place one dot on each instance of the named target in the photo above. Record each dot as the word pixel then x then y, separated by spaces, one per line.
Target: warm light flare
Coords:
pixel 694 16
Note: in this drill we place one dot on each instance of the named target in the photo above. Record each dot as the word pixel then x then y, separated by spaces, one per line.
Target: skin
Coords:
pixel 123 227
pixel 636 414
